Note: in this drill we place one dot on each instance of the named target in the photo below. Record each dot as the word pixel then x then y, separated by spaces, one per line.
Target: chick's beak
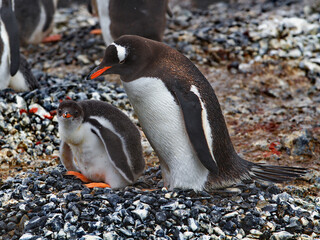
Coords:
pixel 67 115
pixel 97 72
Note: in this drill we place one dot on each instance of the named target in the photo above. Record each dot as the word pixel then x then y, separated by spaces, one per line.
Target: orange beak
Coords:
pixel 67 115
pixel 99 72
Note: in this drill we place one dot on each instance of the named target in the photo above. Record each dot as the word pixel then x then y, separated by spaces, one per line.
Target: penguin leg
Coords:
pixel 165 171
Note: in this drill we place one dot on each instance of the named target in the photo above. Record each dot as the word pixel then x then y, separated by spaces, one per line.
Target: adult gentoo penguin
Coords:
pixel 14 69
pixel 35 19
pixel 99 141
pixel 139 17
pixel 181 117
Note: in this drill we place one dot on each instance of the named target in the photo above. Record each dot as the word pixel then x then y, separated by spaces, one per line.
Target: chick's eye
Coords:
pixel 59 111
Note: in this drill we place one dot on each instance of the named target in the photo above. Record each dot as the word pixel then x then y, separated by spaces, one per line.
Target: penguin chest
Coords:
pixel 89 154
pixel 91 158
pixel 162 121
pixel 4 57
pixel 157 111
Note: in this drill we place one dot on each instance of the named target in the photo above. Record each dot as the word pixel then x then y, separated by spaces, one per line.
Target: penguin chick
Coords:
pixel 35 19
pixel 181 117
pixel 99 141
pixel 139 17
pixel 14 69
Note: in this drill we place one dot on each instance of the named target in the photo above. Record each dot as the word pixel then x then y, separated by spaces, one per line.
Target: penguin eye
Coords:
pixel 122 62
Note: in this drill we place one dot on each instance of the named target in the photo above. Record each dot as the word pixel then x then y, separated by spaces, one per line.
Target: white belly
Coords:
pixel 162 122
pixel 18 82
pixel 103 10
pixel 38 35
pixel 4 65
pixel 92 160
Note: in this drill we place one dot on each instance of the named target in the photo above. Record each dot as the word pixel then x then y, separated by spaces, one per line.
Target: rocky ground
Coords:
pixel 262 58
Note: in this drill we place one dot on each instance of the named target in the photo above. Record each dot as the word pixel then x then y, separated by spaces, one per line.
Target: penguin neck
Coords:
pixel 71 132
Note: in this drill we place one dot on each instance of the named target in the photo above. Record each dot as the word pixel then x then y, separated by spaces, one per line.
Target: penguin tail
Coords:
pixel 276 174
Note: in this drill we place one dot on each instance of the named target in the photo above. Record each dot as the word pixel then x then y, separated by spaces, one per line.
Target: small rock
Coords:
pixel 170 206
pixel 283 235
pixel 90 237
pixel 29 236
pixel 160 217
pixel 299 143
pixel 230 215
pixel 193 225
pixel 218 231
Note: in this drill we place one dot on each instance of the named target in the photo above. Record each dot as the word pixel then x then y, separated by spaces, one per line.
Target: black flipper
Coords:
pixel 25 69
pixel 191 108
pixel 113 145
pixel 9 19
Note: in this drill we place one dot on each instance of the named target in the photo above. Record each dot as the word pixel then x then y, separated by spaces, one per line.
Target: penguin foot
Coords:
pixel 96 32
pixel 148 190
pixel 52 38
pixel 87 180
pixel 79 175
pixel 98 185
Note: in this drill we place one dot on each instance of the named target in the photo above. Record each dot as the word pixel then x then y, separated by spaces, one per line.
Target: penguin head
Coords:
pixel 126 56
pixel 70 112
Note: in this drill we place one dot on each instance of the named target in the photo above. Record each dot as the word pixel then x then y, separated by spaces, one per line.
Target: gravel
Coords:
pixel 50 205
pixel 232 43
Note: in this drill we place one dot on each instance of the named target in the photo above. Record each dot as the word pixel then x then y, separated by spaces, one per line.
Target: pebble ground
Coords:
pixel 262 58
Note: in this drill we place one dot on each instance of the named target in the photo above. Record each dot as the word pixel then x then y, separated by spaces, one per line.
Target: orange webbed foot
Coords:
pixel 96 31
pixel 78 175
pixel 98 185
pixel 148 190
pixel 52 38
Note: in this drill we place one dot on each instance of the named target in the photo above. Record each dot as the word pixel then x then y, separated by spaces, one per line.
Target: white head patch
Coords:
pixel 122 52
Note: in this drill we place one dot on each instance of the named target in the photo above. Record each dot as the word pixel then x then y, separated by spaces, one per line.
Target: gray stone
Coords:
pixel 283 235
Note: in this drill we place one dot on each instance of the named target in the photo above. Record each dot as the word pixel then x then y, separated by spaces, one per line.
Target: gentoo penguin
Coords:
pixel 99 141
pixel 35 19
pixel 139 17
pixel 14 69
pixel 181 117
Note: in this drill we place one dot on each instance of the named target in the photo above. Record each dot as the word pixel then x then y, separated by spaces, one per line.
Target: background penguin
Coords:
pixel 35 19
pixel 14 69
pixel 181 117
pixel 99 141
pixel 139 17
